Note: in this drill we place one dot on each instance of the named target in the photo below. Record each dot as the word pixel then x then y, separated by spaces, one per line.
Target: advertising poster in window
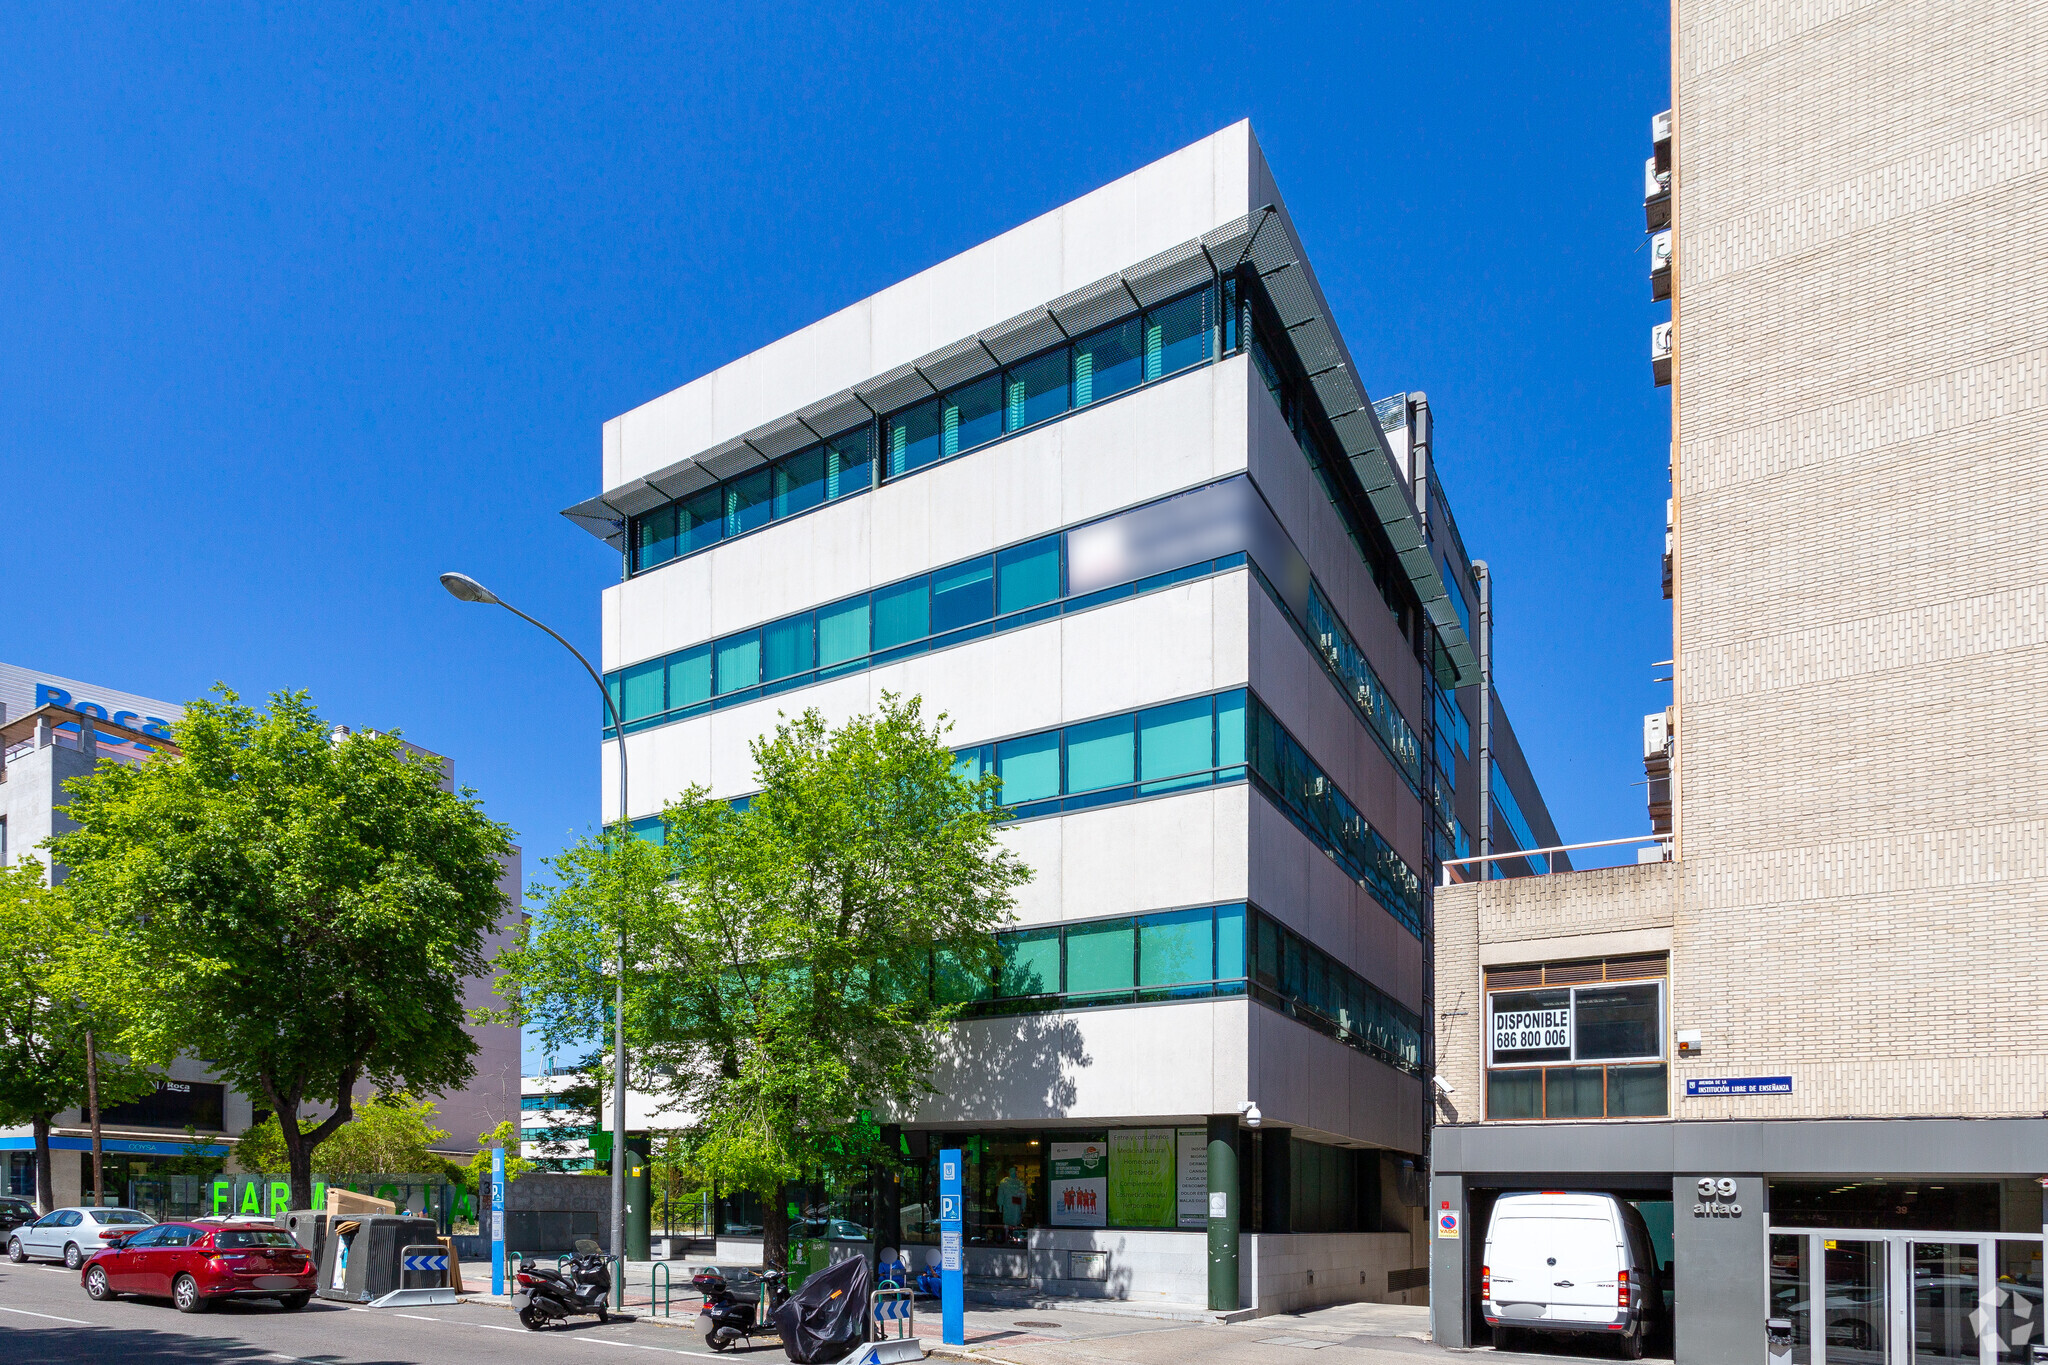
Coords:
pixel 1191 1177
pixel 1141 1178
pixel 1079 1188
pixel 1532 1026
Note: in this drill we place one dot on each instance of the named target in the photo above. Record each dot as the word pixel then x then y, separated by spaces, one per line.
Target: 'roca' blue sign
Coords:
pixel 48 694
pixel 1740 1085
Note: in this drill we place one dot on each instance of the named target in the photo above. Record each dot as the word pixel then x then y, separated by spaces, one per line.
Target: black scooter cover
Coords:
pixel 828 1317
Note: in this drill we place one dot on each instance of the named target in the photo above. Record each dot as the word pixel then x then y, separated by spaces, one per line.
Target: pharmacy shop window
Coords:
pixel 1577 1040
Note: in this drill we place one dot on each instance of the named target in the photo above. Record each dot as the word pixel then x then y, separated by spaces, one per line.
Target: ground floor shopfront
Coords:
pixel 1881 1242
pixel 1125 1212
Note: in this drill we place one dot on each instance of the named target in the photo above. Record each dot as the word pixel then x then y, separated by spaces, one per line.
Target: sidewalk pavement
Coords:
pixel 1049 1331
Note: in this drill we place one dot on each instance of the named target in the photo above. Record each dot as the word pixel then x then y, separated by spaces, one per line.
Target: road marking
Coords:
pixel 416 1317
pixel 76 1322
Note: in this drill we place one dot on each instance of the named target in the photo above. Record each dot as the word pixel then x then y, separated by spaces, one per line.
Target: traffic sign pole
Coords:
pixel 497 1220
pixel 952 1279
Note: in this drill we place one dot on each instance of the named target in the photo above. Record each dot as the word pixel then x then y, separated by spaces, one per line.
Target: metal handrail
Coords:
pixel 1450 863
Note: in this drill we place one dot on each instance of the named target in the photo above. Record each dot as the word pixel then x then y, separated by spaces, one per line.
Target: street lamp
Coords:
pixel 467 589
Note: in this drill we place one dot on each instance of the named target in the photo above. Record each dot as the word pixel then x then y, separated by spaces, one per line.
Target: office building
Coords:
pixel 1108 491
pixel 53 730
pixel 1812 1043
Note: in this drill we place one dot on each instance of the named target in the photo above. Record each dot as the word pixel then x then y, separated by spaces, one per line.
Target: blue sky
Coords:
pixel 303 305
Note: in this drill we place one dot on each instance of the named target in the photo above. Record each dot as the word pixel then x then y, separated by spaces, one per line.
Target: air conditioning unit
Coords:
pixel 1656 195
pixel 1660 265
pixel 1656 733
pixel 1660 353
pixel 1660 129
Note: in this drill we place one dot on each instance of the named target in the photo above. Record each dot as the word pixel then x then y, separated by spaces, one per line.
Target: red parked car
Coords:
pixel 197 1264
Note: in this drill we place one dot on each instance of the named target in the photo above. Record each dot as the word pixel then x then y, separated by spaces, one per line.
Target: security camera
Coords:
pixel 1443 1086
pixel 1250 1110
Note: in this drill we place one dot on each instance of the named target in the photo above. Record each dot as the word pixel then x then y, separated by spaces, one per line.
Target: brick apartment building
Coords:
pixel 1834 994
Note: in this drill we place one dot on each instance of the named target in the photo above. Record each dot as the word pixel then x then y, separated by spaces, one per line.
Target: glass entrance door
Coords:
pixel 1887 1298
pixel 1944 1302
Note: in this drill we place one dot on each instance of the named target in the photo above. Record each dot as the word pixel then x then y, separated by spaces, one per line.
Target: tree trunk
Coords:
pixel 46 1194
pixel 299 1146
pixel 775 1230
pixel 298 1157
pixel 92 1102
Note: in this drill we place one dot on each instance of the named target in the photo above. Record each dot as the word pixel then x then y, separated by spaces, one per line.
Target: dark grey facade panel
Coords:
pixel 2007 1147
pixel 830 416
pixel 1317 347
pixel 894 388
pixel 730 458
pixel 682 478
pixel 600 519
pixel 780 437
pixel 636 498
pixel 1170 272
pixel 1226 245
pixel 1093 305
pixel 956 364
pixel 1271 246
pixel 1354 429
pixel 1294 299
pixel 1022 335
pixel 1336 389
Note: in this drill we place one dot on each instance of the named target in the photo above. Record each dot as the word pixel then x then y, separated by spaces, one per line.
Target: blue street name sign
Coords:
pixel 952 1279
pixel 497 1220
pixel 1741 1085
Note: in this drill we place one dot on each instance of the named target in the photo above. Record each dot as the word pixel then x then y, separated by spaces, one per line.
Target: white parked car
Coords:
pixel 1569 1262
pixel 70 1235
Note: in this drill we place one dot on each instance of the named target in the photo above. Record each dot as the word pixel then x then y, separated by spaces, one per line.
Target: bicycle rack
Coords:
pixel 893 1305
pixel 666 1289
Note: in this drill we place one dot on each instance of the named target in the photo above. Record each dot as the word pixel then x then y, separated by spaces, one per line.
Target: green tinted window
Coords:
pixel 1031 962
pixel 739 661
pixel 1176 947
pixel 1099 956
pixel 689 676
pixel 644 690
pixel 1101 753
pixel 903 612
pixel 1029 768
pixel 1229 942
pixel 842 631
pixel 1027 575
pixel 1175 739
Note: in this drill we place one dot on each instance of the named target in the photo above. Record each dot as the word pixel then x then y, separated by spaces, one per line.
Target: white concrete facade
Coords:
pixel 1165 1064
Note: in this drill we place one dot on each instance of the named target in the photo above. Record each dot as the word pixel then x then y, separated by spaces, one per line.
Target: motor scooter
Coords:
pixel 542 1296
pixel 728 1319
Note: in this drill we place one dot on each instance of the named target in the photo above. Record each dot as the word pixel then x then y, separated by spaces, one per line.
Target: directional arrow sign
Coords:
pixel 427 1262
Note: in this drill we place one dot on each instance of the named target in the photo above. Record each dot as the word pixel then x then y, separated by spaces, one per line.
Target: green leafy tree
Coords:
pixel 795 962
pixel 51 1003
pixel 389 1135
pixel 304 909
pixel 477 1173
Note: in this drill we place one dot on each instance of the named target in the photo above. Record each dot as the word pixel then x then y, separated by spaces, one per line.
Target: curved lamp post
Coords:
pixel 467 589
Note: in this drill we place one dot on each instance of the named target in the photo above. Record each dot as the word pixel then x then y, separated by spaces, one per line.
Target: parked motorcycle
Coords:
pixel 584 1287
pixel 727 1319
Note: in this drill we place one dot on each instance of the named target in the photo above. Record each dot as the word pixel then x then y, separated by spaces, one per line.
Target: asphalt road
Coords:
pixel 46 1317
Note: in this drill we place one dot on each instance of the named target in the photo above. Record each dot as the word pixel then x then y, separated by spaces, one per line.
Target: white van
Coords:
pixel 1559 1261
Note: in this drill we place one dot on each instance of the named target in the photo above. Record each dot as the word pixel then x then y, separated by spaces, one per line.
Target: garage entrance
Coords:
pixel 1651 1197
